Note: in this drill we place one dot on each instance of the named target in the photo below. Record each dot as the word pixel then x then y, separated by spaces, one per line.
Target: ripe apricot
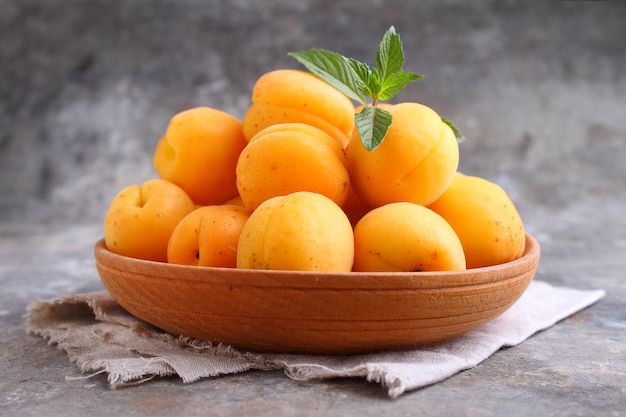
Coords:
pixel 415 162
pixel 208 236
pixel 141 218
pixel 302 231
pixel 282 159
pixel 400 237
pixel 485 219
pixel 287 96
pixel 235 201
pixel 199 152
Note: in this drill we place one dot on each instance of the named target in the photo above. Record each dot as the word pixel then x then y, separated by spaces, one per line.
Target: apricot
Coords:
pixel 208 236
pixel 485 219
pixel 415 162
pixel 141 219
pixel 287 96
pixel 235 201
pixel 199 152
pixel 282 159
pixel 400 237
pixel 302 231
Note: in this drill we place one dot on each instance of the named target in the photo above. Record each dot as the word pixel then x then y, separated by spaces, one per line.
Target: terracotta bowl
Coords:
pixel 307 312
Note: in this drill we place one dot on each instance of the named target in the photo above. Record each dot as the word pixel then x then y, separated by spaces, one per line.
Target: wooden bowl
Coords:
pixel 307 312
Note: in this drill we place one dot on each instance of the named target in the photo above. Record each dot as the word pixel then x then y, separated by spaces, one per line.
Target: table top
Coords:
pixel 577 367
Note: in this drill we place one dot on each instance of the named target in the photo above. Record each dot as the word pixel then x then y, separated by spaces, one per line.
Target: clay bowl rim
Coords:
pixel 302 279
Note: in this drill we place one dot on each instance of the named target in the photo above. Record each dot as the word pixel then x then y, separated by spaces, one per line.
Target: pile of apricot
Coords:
pixel 292 187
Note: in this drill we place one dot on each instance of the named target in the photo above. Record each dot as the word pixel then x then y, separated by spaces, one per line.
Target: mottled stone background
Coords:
pixel 88 87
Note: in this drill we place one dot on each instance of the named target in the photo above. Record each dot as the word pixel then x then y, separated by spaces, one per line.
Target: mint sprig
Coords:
pixel 358 81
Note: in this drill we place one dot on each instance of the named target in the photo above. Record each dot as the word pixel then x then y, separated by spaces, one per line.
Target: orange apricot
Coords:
pixel 400 237
pixel 235 201
pixel 208 236
pixel 415 162
pixel 485 219
pixel 302 231
pixel 199 152
pixel 286 158
pixel 141 218
pixel 287 96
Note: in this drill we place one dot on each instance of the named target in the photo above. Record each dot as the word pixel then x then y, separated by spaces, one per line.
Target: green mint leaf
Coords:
pixel 372 123
pixel 457 133
pixel 389 63
pixel 334 69
pixel 389 57
pixel 367 78
pixel 396 83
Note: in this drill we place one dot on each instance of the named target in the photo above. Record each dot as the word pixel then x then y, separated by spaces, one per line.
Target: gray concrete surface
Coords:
pixel 87 87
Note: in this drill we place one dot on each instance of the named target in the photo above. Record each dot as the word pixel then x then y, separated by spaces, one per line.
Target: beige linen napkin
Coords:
pixel 101 337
